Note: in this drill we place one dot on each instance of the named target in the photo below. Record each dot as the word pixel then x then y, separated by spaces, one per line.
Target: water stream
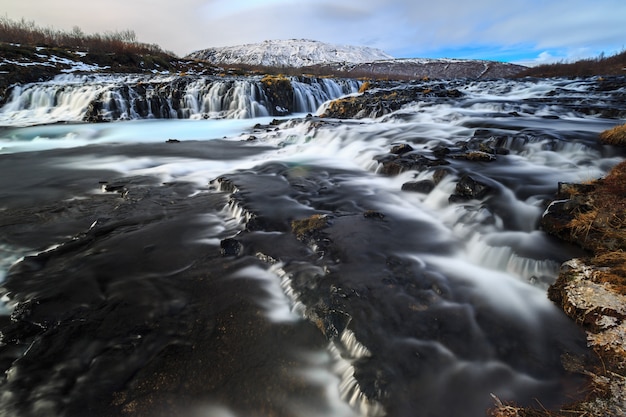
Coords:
pixel 150 267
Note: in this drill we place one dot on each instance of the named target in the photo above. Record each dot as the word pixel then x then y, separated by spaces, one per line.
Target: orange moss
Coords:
pixel 365 86
pixel 305 227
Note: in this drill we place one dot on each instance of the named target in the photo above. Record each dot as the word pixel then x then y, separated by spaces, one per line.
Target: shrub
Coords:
pixel 28 33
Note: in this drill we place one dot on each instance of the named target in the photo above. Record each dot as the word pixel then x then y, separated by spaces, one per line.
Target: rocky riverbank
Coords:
pixel 592 290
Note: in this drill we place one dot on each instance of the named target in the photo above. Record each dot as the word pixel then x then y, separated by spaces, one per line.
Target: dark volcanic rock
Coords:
pixel 280 92
pixel 401 149
pixel 230 247
pixel 424 186
pixel 393 164
pixel 469 188
pixel 384 99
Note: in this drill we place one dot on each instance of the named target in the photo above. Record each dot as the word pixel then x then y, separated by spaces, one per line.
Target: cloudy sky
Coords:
pixel 521 31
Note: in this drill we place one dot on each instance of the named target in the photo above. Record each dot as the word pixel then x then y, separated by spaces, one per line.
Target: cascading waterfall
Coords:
pixel 311 93
pixel 176 292
pixel 110 98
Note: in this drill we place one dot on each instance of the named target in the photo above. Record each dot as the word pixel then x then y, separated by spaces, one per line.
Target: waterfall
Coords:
pixel 98 98
pixel 311 93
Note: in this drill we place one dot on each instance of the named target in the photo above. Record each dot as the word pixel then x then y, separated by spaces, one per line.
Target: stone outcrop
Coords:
pixel 383 98
pixel 600 308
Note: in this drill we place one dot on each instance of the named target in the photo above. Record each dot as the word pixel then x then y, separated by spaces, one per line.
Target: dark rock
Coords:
pixel 372 214
pixel 381 101
pixel 115 188
pixel 469 189
pixel 424 186
pixel 230 247
pixel 401 149
pixel 225 184
pixel 441 151
pixel 395 164
pixel 280 92
pixel 439 175
pixel 477 156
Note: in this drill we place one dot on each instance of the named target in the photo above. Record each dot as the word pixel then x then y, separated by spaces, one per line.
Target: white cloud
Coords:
pixel 400 27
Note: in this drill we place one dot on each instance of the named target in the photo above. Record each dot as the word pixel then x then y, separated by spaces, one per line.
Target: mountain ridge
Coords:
pixel 289 53
pixel 348 61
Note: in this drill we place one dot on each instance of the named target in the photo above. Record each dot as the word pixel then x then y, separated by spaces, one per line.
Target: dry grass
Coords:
pixel 613 270
pixel 615 136
pixel 365 86
pixel 601 226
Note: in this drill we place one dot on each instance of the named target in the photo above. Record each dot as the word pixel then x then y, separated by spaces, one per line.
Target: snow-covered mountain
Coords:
pixel 289 53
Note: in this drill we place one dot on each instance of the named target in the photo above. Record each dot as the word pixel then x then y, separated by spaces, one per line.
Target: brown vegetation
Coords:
pixel 601 226
pixel 612 65
pixel 28 33
pixel 615 136
pixel 309 226
pixel 365 86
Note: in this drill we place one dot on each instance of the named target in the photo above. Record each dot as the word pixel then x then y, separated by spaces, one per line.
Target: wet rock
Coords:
pixel 478 156
pixel 439 175
pixel 279 90
pixel 225 184
pixel 372 214
pixel 114 188
pixel 469 188
pixel 401 149
pixel 378 102
pixel 424 186
pixel 392 164
pixel 230 247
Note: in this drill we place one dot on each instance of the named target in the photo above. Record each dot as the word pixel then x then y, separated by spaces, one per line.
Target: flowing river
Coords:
pixel 196 258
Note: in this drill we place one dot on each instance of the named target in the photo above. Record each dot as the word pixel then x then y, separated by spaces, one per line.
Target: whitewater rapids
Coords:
pixel 150 267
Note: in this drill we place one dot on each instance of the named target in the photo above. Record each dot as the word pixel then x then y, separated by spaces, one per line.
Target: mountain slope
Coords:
pixel 288 53
pixel 416 68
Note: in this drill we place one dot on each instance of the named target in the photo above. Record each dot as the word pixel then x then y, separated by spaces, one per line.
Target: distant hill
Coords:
pixel 296 56
pixel 417 68
pixel 288 53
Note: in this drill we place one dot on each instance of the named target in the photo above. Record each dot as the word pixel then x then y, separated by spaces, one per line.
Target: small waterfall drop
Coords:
pixel 106 98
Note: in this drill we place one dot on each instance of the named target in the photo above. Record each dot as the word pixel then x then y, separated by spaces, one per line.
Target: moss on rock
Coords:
pixel 308 227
